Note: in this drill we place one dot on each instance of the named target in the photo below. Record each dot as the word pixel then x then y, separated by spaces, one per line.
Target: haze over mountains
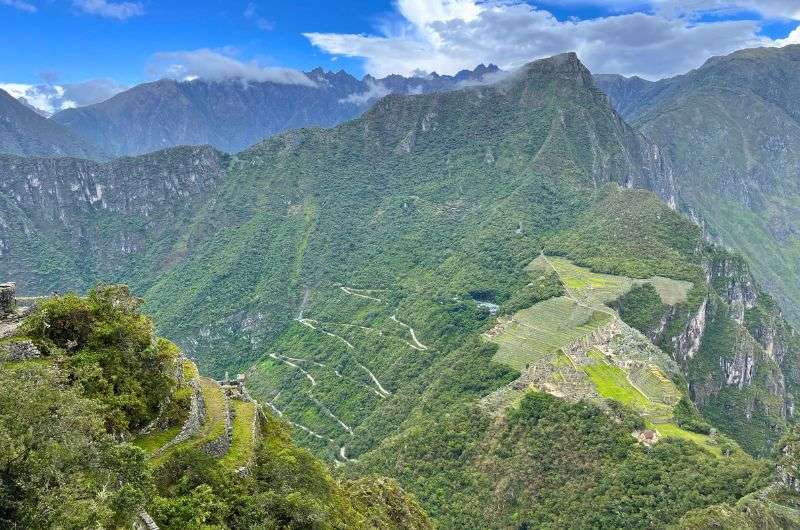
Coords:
pixel 232 115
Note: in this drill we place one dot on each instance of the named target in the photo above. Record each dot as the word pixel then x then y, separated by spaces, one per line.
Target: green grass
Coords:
pixel 612 383
pixel 243 443
pixel 670 430
pixel 214 399
pixel 598 289
pixel 151 442
pixel 538 332
pixel 189 370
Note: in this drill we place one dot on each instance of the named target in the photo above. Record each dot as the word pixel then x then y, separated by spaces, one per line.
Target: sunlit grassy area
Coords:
pixel 612 383
pixel 243 443
pixel 596 288
pixel 151 442
pixel 670 430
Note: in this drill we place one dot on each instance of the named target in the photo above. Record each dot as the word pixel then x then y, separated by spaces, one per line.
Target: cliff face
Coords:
pixel 740 356
pixel 66 222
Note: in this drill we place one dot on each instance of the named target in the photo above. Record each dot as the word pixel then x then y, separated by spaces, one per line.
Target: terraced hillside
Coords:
pixel 197 443
pixel 221 420
pixel 576 347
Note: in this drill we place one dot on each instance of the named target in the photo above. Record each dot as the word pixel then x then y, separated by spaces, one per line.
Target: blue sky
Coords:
pixel 91 48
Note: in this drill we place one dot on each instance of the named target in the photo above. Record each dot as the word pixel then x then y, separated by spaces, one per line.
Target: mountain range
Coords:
pixel 24 132
pixel 480 292
pixel 731 132
pixel 235 114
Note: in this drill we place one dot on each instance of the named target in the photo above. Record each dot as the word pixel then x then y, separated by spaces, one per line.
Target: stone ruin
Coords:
pixel 8 303
pixel 234 387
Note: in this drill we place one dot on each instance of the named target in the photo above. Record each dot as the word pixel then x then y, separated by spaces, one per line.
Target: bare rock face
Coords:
pixel 7 299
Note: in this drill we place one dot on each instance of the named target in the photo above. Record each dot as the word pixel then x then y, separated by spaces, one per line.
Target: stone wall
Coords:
pixel 197 414
pixel 7 299
pixel 219 447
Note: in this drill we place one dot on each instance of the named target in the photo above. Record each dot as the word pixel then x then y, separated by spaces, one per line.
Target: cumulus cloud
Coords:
pixel 375 90
pixel 450 35
pixel 103 8
pixel 50 98
pixel 218 65
pixel 19 4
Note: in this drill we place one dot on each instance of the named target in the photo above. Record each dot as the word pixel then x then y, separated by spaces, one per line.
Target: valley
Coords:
pixel 486 295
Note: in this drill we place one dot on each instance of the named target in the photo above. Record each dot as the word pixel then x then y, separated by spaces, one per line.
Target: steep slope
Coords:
pixel 354 272
pixel 24 132
pixel 232 115
pixel 732 131
pixel 82 376
pixel 66 222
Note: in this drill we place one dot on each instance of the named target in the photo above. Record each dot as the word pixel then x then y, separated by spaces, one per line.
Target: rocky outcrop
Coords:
pixel 23 350
pixel 688 343
pixel 731 280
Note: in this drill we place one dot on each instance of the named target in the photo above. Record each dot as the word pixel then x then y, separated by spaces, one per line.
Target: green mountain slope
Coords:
pixel 353 272
pixel 81 377
pixel 731 130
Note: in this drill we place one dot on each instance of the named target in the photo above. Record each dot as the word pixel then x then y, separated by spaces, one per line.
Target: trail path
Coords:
pixel 381 390
pixel 417 344
pixel 303 428
pixel 310 323
pixel 333 416
pixel 290 363
pixel 352 292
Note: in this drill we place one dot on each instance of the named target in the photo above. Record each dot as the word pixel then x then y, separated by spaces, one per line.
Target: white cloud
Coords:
pixel 20 4
pixel 449 35
pixel 375 90
pixel 768 8
pixel 103 8
pixel 218 65
pixel 51 98
pixel 251 14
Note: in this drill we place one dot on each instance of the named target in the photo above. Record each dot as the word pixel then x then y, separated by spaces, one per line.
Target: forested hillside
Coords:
pixel 103 425
pixel 731 131
pixel 461 291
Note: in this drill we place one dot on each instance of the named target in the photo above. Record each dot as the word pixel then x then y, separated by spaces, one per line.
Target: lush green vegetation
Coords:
pixel 554 464
pixel 63 417
pixel 353 272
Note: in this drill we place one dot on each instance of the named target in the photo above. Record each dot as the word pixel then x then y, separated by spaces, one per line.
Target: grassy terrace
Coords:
pixel 243 443
pixel 535 336
pixel 596 289
pixel 538 332
pixel 153 441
